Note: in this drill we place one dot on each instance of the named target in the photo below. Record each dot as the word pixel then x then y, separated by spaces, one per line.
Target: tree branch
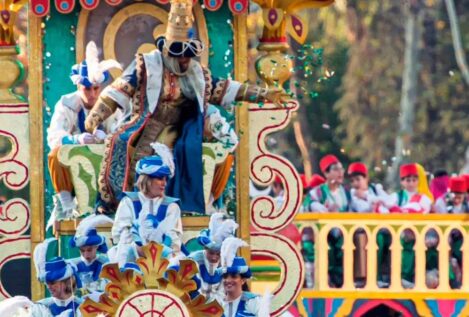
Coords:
pixel 456 35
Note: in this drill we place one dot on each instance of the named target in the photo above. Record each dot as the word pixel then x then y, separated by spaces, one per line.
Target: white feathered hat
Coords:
pixel 91 71
pixel 86 234
pixel 219 229
pixel 230 263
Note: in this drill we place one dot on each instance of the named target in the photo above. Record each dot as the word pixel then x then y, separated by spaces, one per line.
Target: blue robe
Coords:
pixel 90 273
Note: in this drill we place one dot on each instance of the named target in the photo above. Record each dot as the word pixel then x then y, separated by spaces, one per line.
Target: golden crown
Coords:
pixel 180 21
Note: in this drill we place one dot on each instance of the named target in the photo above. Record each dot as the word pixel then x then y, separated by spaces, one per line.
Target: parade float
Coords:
pixel 56 37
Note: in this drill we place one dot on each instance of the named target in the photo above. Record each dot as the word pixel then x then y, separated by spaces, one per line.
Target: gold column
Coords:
pixel 36 148
pixel 242 126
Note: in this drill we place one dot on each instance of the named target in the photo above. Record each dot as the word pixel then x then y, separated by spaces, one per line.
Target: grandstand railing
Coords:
pixel 395 224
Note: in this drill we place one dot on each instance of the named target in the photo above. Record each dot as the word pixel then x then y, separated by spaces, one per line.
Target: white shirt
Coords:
pixel 170 226
pixel 230 308
pixel 64 121
pixel 422 205
pixel 366 204
pixel 337 197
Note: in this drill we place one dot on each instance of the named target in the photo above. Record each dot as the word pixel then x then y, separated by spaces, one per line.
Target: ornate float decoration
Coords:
pixel 158 291
pixel 274 67
pixel 12 69
pixel 41 8
pixel 280 18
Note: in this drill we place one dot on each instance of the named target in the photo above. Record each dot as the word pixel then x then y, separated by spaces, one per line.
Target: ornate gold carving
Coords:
pixel 11 72
pixel 274 67
pixel 154 281
pixel 9 11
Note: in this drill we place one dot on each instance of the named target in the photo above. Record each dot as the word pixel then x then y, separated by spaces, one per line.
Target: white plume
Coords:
pixel 96 68
pixel 14 305
pixel 166 155
pixel 215 221
pixel 40 253
pixel 225 230
pixel 264 305
pixel 108 64
pixel 91 222
pixel 92 62
pixel 228 250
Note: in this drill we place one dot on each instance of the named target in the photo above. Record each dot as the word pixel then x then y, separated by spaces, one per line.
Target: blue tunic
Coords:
pixel 56 308
pixel 90 273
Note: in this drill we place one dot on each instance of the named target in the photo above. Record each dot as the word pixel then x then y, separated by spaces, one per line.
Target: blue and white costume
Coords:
pixel 149 219
pixel 246 305
pixel 65 308
pixel 68 120
pixel 58 270
pixel 211 239
pixel 67 126
pixel 86 235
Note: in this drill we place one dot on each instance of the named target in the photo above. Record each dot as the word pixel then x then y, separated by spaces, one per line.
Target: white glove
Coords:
pixel 86 138
pixel 99 134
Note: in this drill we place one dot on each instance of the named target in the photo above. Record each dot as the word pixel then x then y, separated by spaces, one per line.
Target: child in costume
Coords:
pixel 454 202
pixel 89 264
pixel 208 260
pixel 238 301
pixel 60 277
pixel 330 196
pixel 414 197
pixel 366 197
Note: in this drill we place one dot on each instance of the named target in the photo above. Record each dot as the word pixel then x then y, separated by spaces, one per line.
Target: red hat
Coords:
pixel 357 168
pixel 327 161
pixel 408 170
pixel 466 177
pixel 304 182
pixel 277 179
pixel 457 185
pixel 316 180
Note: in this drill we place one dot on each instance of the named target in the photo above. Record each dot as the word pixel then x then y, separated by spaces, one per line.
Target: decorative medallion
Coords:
pixel 65 6
pixel 155 291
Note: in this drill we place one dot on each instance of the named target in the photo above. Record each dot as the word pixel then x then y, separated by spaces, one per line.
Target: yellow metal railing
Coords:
pixel 395 224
